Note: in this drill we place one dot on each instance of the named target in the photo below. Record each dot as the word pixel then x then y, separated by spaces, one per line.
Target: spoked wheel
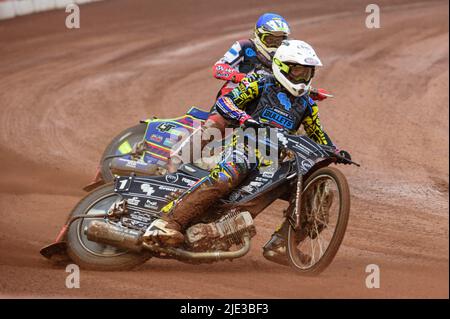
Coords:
pixel 92 255
pixel 123 143
pixel 324 217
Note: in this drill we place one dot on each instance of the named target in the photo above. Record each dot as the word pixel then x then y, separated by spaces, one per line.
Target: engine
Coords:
pixel 222 234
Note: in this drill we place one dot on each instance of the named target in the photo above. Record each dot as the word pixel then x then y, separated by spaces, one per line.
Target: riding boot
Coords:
pixel 275 249
pixel 169 229
pixel 194 203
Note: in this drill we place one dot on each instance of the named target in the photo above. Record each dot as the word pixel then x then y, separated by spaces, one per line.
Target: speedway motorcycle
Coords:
pixel 105 229
pixel 145 149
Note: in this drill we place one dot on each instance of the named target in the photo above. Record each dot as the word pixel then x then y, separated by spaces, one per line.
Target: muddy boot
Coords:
pixel 169 230
pixel 164 232
pixel 275 249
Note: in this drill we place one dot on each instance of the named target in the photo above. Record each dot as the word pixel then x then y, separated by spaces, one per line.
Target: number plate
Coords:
pixel 123 184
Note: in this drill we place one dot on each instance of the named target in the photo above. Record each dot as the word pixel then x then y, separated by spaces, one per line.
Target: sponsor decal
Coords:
pixel 168 142
pixel 156 138
pixel 284 100
pixel 234 196
pixel 131 164
pixel 223 74
pixel 307 164
pixel 256 184
pixel 171 178
pixel 133 201
pixel 140 218
pixel 168 188
pixel 278 118
pixel 151 204
pixel 311 61
pixel 250 52
pixel 249 189
pixel 165 127
pixel 268 174
pixel 147 189
pixel 282 139
pixel 132 222
pixel 261 179
pixel 233 51
pixel 190 169
pixel 188 181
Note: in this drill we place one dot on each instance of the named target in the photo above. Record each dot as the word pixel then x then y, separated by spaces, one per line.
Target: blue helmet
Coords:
pixel 270 30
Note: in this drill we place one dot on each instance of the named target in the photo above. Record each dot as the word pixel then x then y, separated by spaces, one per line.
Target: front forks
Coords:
pixel 298 202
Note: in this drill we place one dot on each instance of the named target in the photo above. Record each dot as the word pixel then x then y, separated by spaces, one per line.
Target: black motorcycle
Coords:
pixel 105 229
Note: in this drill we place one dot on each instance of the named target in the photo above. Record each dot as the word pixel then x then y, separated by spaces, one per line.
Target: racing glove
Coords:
pixel 250 122
pixel 319 94
pixel 237 77
pixel 346 157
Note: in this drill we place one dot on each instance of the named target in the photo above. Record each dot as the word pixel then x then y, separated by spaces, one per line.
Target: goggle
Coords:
pixel 296 73
pixel 272 40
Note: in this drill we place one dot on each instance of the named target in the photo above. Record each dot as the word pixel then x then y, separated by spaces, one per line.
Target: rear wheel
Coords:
pixel 324 217
pixel 92 255
pixel 123 143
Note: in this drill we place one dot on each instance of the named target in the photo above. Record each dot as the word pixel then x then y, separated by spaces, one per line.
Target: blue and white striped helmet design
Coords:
pixel 271 22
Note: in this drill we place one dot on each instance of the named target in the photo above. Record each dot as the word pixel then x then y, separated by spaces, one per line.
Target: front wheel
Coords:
pixel 324 217
pixel 92 255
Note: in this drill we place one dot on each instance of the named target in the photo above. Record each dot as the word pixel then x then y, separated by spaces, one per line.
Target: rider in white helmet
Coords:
pixel 280 100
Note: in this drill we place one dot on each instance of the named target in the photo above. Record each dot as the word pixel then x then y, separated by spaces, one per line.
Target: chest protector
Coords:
pixel 279 108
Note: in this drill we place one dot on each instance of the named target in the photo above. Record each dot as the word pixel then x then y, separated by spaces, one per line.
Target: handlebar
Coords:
pixel 331 150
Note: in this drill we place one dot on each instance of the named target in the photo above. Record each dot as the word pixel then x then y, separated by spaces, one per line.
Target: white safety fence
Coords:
pixel 13 8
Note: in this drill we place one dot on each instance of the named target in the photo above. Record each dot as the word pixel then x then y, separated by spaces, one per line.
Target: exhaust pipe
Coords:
pixel 110 234
pixel 203 256
pixel 122 166
pixel 131 239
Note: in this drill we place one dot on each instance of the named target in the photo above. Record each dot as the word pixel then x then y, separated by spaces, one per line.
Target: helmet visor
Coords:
pixel 298 73
pixel 272 40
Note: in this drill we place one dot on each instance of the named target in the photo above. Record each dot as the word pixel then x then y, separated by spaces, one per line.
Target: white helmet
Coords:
pixel 294 66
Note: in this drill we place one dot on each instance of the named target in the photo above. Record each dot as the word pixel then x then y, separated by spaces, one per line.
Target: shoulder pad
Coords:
pixel 246 43
pixel 248 48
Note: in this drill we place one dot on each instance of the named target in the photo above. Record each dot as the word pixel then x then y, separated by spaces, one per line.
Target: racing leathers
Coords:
pixel 268 102
pixel 241 59
pixel 265 100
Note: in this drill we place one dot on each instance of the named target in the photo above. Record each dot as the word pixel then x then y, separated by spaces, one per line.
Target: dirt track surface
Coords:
pixel 65 93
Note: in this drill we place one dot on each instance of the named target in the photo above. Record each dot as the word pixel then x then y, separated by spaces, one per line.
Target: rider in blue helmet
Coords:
pixel 270 30
pixel 252 55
